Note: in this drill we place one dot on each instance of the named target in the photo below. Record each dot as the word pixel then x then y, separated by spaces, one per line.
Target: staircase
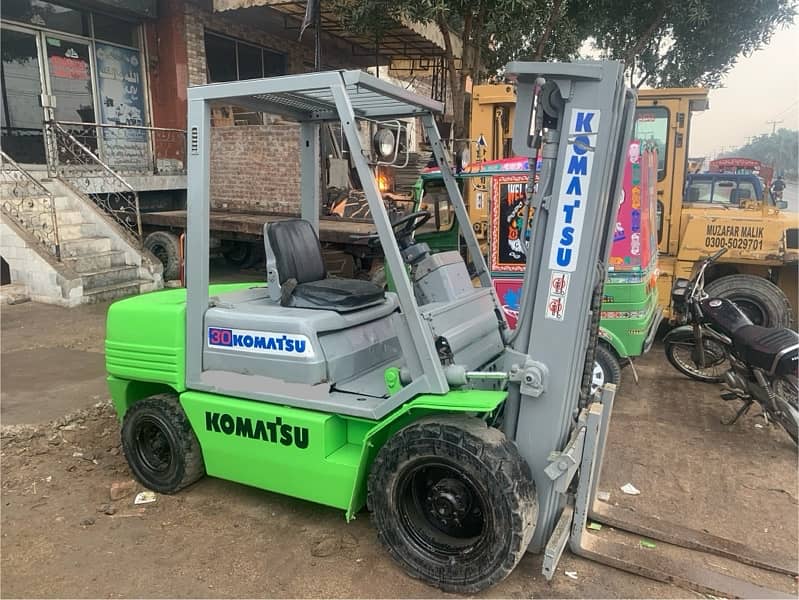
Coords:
pixel 105 270
pixel 93 259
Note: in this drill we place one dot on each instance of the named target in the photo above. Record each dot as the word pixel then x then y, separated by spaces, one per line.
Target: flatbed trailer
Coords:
pixel 239 237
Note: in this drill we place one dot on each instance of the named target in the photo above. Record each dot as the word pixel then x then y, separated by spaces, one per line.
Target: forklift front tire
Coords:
pixel 160 445
pixel 453 502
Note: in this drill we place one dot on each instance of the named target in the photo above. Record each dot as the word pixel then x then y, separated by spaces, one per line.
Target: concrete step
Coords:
pixel 84 246
pixel 63 203
pixel 69 217
pixel 87 263
pixel 77 231
pixel 110 276
pixel 113 291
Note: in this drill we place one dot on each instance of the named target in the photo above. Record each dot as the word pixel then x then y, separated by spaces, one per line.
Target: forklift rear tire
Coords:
pixel 453 502
pixel 160 445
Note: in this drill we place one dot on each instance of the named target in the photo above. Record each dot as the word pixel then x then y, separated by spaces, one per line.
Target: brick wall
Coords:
pixel 256 167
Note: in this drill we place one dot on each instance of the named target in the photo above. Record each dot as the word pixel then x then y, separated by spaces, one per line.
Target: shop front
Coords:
pixel 81 68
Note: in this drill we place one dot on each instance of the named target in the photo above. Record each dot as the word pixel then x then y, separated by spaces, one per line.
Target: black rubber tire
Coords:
pixel 162 416
pixel 165 245
pixel 686 339
pixel 500 482
pixel 762 301
pixel 606 360
pixel 787 392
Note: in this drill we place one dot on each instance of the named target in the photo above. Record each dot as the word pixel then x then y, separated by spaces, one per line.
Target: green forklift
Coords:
pixel 468 442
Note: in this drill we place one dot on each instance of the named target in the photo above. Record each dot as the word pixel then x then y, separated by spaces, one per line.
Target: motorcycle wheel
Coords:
pixel 787 396
pixel 680 349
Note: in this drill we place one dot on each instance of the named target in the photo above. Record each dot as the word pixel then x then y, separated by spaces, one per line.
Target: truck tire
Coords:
pixel 239 254
pixel 453 502
pixel 762 301
pixel 165 245
pixel 160 445
pixel 606 368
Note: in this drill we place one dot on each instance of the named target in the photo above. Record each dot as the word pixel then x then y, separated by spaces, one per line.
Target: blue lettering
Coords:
pixel 569 210
pixel 574 187
pixel 270 344
pixel 260 342
pixel 237 340
pixel 280 342
pixel 583 122
pixel 578 165
pixel 247 341
pixel 289 346
pixel 564 256
pixel 567 236
pixel 581 144
pixel 299 346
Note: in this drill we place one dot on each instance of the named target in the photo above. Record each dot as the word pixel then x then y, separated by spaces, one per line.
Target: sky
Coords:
pixel 761 87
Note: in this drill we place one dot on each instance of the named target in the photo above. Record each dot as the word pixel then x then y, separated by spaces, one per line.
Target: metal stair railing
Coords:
pixel 29 204
pixel 84 172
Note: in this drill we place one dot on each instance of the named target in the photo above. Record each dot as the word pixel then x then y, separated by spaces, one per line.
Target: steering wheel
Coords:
pixel 403 228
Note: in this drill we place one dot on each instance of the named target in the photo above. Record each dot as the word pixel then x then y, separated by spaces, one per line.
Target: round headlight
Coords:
pixel 384 143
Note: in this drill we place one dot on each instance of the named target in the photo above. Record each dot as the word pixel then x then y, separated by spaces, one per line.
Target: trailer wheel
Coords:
pixel 160 446
pixel 453 502
pixel 763 302
pixel 606 368
pixel 239 254
pixel 165 245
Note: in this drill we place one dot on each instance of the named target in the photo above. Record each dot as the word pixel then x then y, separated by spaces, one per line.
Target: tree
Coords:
pixel 680 43
pixel 780 150
pixel 665 43
pixel 492 32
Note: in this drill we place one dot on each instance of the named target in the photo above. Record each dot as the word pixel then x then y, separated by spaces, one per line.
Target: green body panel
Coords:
pixel 316 456
pixel 628 332
pixel 144 344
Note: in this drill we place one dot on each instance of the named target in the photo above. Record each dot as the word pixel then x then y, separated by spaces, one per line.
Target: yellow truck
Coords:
pixel 759 270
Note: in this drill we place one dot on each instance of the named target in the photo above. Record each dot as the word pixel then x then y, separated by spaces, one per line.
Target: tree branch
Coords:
pixel 552 20
pixel 644 38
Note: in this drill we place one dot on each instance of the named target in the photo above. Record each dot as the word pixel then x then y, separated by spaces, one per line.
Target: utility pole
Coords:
pixel 773 126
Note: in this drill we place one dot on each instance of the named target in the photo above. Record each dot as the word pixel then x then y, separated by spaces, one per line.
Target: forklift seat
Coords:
pixel 298 277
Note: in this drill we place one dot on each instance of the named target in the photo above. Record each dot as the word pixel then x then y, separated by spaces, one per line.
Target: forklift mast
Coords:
pixel 579 115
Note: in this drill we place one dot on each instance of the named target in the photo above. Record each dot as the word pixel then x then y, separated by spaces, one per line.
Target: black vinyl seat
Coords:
pixel 762 346
pixel 294 249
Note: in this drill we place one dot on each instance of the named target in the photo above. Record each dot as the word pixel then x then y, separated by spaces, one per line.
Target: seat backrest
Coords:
pixel 292 246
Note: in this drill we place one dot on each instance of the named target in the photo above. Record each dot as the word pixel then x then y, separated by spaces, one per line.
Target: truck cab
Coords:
pixel 724 189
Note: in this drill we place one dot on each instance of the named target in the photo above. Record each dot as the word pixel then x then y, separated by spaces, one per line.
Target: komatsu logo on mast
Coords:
pixel 574 189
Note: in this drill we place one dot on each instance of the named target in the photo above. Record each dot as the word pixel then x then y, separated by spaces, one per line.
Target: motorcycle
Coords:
pixel 718 343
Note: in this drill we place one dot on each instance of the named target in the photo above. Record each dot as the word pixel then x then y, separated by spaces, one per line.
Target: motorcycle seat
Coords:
pixel 775 350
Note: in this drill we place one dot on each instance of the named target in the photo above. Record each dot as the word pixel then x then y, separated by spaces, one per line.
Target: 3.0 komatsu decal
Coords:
pixel 574 186
pixel 263 342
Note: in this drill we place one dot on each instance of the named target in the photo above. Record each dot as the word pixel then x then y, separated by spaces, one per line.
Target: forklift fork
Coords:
pixel 571 530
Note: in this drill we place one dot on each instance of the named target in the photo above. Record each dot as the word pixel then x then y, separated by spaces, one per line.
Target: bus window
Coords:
pixel 652 127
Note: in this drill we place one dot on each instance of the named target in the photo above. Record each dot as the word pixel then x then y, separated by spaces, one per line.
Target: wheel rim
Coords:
pixel 153 448
pixel 597 377
pixel 441 509
pixel 714 358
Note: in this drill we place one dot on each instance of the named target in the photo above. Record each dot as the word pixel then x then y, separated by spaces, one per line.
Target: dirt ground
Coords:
pixel 218 539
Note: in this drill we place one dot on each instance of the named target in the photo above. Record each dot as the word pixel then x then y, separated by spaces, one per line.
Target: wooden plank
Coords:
pixel 330 230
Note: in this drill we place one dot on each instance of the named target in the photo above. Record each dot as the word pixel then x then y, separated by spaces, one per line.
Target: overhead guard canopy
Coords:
pixel 308 97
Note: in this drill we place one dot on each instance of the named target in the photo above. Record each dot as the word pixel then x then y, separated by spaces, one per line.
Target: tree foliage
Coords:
pixel 665 43
pixel 780 150
pixel 679 43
